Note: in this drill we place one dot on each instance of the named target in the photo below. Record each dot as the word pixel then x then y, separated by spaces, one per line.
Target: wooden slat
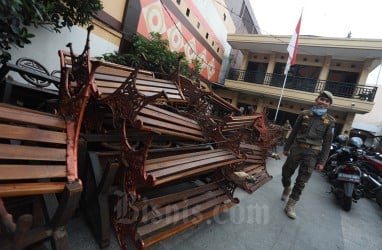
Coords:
pixel 180 156
pixel 20 152
pixel 170 198
pixel 169 126
pixel 176 217
pixel 19 172
pixel 27 116
pixel 21 189
pixel 31 134
pixel 195 171
pixel 149 241
pixel 158 83
pixel 112 83
pixel 184 203
pixel 182 167
pixel 157 89
pixel 117 69
pixel 171 97
pixel 170 161
pixel 172 116
pixel 251 146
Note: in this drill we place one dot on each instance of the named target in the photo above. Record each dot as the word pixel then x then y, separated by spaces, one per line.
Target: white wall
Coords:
pixel 46 44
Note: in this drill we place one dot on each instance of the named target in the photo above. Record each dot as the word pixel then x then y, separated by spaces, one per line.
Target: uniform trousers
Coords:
pixel 305 160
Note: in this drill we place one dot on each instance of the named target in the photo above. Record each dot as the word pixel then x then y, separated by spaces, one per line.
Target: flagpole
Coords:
pixel 292 54
pixel 281 96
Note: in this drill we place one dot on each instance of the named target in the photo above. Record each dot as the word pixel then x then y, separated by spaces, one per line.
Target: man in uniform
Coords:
pixel 307 147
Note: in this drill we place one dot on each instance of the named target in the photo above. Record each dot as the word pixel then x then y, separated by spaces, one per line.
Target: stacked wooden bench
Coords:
pixel 39 184
pixel 255 165
pixel 155 186
pixel 33 154
pixel 255 135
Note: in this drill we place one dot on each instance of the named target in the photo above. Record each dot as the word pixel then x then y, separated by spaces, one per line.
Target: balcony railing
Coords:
pixel 340 89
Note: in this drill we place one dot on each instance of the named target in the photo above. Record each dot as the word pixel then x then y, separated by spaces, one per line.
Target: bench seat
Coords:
pixel 166 169
pixel 237 123
pixel 158 120
pixel 33 162
pixel 255 165
pixel 177 211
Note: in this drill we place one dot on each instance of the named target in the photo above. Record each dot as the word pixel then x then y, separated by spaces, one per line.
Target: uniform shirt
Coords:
pixel 313 129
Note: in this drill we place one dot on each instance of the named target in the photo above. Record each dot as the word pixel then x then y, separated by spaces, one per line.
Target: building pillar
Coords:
pixel 235 98
pixel 270 69
pixel 348 123
pixel 244 65
pixel 324 73
pixel 260 105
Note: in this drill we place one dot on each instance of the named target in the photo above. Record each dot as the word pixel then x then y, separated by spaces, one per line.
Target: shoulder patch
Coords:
pixel 331 118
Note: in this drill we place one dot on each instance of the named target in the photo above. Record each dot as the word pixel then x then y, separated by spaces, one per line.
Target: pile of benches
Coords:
pixel 154 156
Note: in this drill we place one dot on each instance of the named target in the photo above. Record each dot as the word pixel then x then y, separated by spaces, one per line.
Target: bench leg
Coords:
pixel 103 202
pixel 97 209
pixel 67 205
pixel 24 223
pixel 60 239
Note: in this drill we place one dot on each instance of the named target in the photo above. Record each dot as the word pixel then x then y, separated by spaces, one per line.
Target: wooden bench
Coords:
pixel 165 215
pixel 255 165
pixel 109 77
pixel 39 155
pixel 33 162
pixel 98 174
pixel 241 126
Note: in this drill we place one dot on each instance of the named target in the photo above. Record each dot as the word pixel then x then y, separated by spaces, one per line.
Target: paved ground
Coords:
pixel 259 222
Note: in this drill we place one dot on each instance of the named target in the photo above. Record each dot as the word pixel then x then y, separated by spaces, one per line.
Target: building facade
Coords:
pixel 340 65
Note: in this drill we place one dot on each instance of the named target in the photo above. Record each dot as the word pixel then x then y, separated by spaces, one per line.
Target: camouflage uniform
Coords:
pixel 309 144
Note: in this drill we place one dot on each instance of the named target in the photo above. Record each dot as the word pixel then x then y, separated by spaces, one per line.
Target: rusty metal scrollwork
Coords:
pixel 229 188
pixel 74 92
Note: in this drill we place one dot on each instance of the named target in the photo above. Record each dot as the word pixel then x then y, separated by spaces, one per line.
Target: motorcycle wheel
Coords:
pixel 346 203
pixel 378 198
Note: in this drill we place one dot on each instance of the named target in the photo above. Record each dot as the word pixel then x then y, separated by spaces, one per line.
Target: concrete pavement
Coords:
pixel 259 222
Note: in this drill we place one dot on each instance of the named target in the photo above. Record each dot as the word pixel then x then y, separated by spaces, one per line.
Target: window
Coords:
pixel 217 50
pixel 188 12
pixel 178 1
pixel 213 43
pixel 198 25
pixel 206 35
pixel 224 17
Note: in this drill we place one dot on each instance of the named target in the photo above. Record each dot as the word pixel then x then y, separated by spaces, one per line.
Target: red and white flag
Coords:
pixel 292 47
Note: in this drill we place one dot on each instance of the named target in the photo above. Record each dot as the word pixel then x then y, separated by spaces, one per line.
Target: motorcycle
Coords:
pixel 373 162
pixel 346 180
pixel 344 174
pixel 371 184
pixel 336 151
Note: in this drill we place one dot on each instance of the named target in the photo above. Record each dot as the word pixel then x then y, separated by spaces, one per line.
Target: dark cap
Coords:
pixel 327 94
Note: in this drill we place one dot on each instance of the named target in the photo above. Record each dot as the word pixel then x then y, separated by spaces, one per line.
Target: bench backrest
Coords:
pixel 32 150
pixel 109 76
pixel 240 122
pixel 162 121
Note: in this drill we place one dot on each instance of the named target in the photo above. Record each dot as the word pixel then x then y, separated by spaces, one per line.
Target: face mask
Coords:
pixel 319 111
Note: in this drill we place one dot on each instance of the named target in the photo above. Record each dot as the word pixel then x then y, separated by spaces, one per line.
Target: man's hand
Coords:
pixel 286 153
pixel 319 167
